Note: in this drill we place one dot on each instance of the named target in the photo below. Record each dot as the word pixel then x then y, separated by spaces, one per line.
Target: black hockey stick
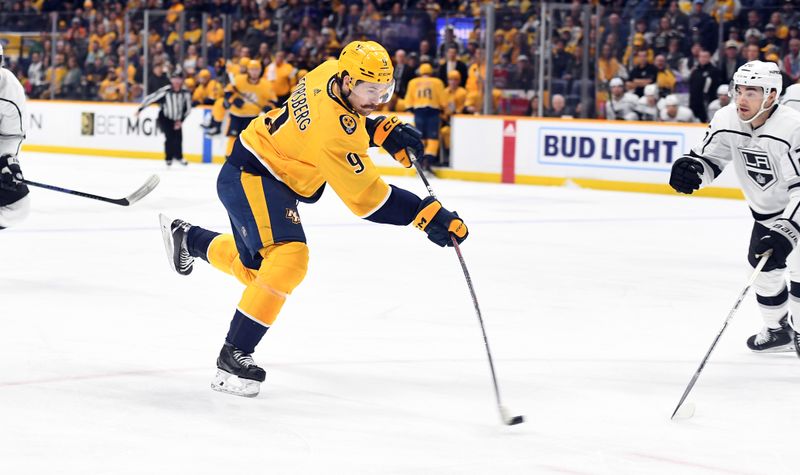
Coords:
pixel 688 410
pixel 504 414
pixel 143 190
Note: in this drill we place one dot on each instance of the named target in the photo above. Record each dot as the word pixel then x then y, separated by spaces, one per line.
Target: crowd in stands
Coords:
pixel 648 59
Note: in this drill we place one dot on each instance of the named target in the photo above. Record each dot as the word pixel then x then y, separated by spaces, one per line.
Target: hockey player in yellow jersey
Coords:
pixel 318 137
pixel 426 98
pixel 248 95
pixel 456 100
pixel 207 91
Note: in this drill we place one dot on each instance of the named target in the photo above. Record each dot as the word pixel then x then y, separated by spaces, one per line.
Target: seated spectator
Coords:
pixel 722 100
pixel 533 107
pixel 730 61
pixel 621 105
pixel 559 108
pixel 73 80
pixel 608 66
pixel 193 32
pixel 674 112
pixel 561 61
pixel 665 78
pixel 522 74
pixel 111 88
pixel 791 62
pixel 642 74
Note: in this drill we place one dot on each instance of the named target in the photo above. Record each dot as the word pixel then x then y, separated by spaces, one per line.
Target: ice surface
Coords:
pixel 598 306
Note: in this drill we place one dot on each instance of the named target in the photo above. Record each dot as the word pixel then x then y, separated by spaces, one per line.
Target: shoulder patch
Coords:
pixel 349 124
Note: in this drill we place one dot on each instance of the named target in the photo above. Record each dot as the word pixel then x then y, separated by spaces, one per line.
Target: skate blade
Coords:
pixel 166 233
pixel 778 349
pixel 225 382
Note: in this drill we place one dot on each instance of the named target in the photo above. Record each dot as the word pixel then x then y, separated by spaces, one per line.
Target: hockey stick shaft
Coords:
pixel 148 186
pixel 471 292
pixel 742 294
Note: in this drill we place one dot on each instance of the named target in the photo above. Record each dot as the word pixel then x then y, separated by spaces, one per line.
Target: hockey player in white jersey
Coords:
pixel 648 106
pixel 673 111
pixel 791 97
pixel 14 201
pixel 621 105
pixel 762 141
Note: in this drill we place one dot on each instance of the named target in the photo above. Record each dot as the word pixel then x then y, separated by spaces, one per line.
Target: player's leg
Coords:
pixel 14 206
pixel 165 125
pixel 793 263
pixel 431 136
pixel 217 116
pixel 773 302
pixel 271 242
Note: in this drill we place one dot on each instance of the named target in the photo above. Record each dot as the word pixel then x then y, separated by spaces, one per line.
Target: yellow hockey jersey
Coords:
pixel 255 96
pixel 317 138
pixel 426 92
pixel 456 100
pixel 207 93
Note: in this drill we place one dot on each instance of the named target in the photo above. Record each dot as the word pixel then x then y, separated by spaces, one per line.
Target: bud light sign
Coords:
pixel 627 149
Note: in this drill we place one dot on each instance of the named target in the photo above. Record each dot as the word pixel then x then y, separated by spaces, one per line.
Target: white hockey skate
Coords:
pixel 237 373
pixel 226 382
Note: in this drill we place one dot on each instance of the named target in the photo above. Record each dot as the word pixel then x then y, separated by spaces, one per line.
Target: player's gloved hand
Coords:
pixel 439 223
pixel 782 239
pixel 10 173
pixel 395 137
pixel 686 175
pixel 238 102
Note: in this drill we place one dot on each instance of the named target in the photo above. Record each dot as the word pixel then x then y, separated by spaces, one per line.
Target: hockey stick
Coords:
pixel 688 410
pixel 137 195
pixel 504 414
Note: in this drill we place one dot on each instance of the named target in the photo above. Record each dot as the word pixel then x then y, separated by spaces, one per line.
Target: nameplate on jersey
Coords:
pixel 758 167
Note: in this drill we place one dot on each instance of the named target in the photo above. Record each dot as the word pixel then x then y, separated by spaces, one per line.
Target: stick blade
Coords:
pixel 508 419
pixel 683 412
pixel 143 191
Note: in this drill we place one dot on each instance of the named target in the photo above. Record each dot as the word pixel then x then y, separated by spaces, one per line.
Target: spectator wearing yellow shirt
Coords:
pixel 215 34
pixel 281 76
pixel 103 37
pixel 111 88
pixel 781 29
pixel 263 22
pixel 55 74
pixel 174 10
pixel 193 32
pixel 476 72
pixel 665 79
pixel 637 45
pixel 456 101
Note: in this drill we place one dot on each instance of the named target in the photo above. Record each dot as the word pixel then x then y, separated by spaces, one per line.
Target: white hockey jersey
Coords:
pixel 684 115
pixel 12 113
pixel 766 160
pixel 791 97
pixel 622 108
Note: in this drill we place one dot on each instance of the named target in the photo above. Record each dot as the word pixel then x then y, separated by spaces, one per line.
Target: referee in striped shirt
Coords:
pixel 176 103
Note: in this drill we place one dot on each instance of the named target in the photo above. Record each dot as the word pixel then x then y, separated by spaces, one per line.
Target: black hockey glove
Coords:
pixel 782 239
pixel 686 175
pixel 395 137
pixel 439 223
pixel 238 102
pixel 10 173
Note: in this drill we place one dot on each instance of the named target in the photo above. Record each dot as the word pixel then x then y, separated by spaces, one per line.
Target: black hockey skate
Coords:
pixel 174 234
pixel 237 373
pixel 772 340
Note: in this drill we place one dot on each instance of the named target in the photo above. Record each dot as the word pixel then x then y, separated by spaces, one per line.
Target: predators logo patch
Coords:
pixel 348 123
pixel 292 215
